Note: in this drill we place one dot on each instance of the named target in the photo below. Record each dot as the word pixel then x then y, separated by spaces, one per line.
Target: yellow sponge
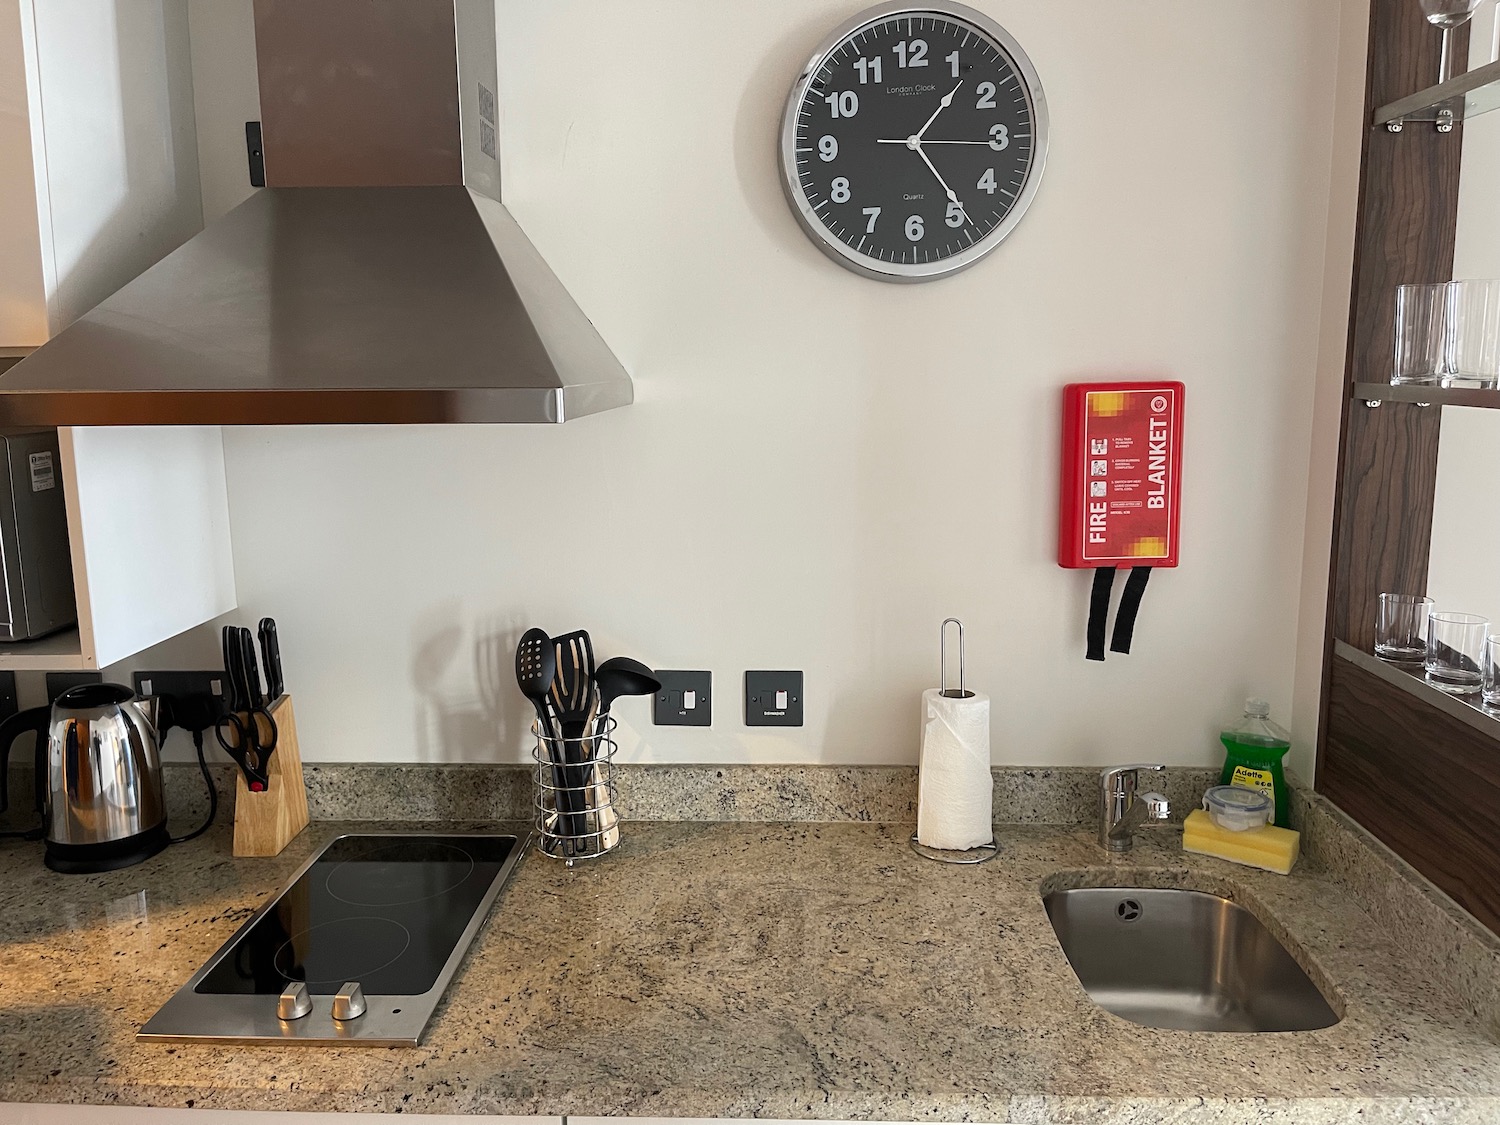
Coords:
pixel 1269 848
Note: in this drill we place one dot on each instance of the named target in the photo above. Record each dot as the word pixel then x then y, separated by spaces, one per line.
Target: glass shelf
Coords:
pixel 1457 99
pixel 1427 395
pixel 1411 681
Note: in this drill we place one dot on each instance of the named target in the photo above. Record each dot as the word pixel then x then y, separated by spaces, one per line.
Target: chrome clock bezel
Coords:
pixel 807 218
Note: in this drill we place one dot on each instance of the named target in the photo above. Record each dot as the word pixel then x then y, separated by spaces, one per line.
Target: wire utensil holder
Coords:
pixel 576 817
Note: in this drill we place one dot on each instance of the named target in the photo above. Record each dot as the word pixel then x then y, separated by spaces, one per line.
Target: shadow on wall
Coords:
pixel 459 718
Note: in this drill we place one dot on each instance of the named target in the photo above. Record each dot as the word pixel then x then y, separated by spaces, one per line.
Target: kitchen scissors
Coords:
pixel 247 732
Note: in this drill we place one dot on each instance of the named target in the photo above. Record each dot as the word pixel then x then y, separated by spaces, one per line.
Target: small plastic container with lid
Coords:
pixel 1254 748
pixel 1237 809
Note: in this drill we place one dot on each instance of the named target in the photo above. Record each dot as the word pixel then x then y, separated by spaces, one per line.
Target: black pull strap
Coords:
pixel 1104 581
pixel 1130 605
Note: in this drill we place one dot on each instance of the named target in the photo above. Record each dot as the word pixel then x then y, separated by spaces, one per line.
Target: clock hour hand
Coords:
pixel 942 105
pixel 951 197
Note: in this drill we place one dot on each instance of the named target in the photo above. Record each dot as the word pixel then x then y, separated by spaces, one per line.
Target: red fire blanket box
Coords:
pixel 1121 496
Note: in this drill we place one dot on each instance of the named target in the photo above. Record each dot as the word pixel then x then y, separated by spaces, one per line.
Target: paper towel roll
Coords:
pixel 955 795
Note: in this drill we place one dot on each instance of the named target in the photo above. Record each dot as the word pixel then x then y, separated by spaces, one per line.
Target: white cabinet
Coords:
pixel 98 154
pixel 98 181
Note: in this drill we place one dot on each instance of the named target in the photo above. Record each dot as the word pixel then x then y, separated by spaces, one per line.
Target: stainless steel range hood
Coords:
pixel 376 278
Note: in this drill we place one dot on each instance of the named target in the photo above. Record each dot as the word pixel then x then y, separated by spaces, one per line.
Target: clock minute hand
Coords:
pixel 942 105
pixel 952 198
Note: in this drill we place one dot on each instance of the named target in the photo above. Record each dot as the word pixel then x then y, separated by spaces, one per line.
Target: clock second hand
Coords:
pixel 929 141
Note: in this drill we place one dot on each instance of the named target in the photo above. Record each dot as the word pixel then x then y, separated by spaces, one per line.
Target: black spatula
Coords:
pixel 572 700
pixel 536 668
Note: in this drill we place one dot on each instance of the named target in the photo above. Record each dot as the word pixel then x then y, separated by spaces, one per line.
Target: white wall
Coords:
pixel 819 467
pixel 1464 571
pixel 1329 388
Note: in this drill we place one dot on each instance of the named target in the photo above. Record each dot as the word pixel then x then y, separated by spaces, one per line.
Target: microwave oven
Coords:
pixel 35 563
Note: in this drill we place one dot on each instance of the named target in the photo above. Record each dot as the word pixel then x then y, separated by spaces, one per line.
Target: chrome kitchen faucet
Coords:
pixel 1122 809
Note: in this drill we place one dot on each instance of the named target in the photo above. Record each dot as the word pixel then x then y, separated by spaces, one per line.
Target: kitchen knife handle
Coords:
pixel 270 651
pixel 250 668
pixel 230 639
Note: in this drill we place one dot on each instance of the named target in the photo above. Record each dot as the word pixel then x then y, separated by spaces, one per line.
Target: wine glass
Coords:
pixel 1448 14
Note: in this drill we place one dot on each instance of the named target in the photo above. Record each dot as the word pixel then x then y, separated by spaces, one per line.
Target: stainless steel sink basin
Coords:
pixel 1183 959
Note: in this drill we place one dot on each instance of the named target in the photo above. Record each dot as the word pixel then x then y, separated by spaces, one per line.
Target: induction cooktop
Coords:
pixel 358 949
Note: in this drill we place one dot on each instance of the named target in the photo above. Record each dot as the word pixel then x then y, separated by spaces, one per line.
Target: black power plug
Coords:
pixel 190 701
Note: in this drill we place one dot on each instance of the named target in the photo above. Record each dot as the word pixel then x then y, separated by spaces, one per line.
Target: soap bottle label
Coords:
pixel 1247 778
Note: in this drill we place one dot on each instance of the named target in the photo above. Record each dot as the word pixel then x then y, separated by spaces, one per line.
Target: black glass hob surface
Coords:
pixel 385 911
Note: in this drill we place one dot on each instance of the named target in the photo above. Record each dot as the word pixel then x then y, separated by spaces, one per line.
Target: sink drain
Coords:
pixel 1128 910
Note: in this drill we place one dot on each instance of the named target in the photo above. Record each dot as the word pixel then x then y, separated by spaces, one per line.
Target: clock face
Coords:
pixel 914 140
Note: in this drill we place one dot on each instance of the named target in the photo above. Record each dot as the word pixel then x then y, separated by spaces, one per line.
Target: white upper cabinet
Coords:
pixel 98 157
pixel 99 181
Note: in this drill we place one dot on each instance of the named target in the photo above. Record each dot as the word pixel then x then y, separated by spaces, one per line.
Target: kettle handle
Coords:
pixel 36 720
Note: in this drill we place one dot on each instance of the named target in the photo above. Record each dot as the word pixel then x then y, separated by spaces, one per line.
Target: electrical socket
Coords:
pixel 180 683
pixel 59 682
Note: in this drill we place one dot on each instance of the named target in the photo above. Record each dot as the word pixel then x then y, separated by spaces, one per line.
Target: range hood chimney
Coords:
pixel 376 277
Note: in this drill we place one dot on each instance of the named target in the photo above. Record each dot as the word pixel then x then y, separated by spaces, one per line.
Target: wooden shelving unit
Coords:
pixel 61 652
pixel 1419 768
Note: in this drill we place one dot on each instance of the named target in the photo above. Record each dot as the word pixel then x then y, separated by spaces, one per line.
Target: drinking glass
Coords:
pixel 1472 336
pixel 1421 333
pixel 1455 651
pixel 1492 673
pixel 1401 628
pixel 1448 14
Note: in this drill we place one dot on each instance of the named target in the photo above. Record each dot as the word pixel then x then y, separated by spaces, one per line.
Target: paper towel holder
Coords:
pixel 983 852
pixel 947 692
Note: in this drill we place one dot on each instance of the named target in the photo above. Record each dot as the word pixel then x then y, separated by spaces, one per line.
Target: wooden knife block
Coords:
pixel 264 823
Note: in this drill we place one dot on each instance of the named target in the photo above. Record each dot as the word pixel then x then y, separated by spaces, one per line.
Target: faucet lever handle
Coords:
pixel 1111 775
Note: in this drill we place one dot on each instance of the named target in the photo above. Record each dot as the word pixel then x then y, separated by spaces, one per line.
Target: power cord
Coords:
pixel 194 714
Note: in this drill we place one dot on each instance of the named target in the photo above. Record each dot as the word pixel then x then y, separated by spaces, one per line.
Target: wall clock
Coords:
pixel 914 140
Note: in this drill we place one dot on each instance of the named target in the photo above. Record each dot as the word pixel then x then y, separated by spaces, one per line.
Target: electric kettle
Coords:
pixel 98 777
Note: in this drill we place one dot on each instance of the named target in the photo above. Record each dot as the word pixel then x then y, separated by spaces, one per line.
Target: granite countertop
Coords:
pixel 738 970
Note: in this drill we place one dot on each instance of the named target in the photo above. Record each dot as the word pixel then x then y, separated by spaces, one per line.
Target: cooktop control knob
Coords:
pixel 349 1003
pixel 294 1002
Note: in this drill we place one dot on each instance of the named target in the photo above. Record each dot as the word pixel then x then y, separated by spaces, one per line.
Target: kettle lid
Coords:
pixel 86 696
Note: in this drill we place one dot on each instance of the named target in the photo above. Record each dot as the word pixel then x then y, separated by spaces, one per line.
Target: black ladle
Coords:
pixel 620 675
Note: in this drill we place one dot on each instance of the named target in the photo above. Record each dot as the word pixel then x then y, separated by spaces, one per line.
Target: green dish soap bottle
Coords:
pixel 1255 749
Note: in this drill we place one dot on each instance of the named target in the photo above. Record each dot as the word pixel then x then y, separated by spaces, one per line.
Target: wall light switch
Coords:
pixel 773 699
pixel 685 699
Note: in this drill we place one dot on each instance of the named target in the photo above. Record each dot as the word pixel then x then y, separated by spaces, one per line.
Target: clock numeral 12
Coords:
pixel 913 53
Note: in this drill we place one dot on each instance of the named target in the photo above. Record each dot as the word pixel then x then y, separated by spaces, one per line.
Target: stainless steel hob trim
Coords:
pixel 389 1021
